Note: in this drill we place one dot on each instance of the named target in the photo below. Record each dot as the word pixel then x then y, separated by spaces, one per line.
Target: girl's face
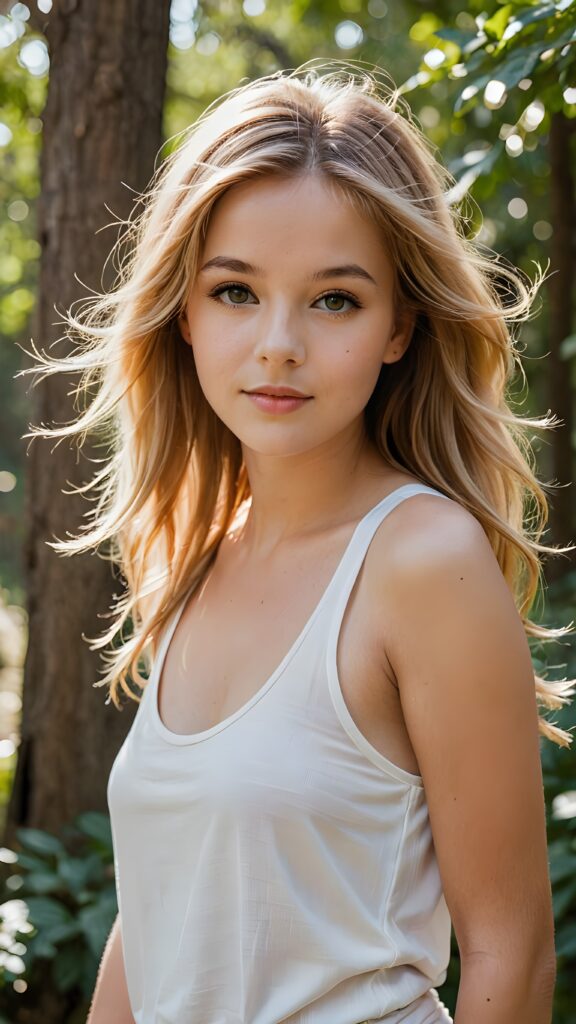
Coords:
pixel 294 289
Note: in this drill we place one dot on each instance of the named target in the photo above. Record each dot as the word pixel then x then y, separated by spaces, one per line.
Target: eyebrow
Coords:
pixel 240 267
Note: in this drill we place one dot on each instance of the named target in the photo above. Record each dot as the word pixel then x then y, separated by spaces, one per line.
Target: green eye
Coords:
pixel 335 302
pixel 238 295
pixel 232 294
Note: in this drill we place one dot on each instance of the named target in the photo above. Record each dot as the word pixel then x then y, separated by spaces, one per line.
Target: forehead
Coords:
pixel 301 217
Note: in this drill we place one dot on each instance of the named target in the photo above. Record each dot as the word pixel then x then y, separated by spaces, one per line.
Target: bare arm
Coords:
pixel 466 680
pixel 497 992
pixel 110 1003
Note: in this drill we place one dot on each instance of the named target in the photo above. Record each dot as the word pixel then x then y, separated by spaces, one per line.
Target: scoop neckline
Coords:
pixel 186 739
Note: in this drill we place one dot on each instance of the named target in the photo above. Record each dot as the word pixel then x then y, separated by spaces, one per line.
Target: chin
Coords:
pixel 276 447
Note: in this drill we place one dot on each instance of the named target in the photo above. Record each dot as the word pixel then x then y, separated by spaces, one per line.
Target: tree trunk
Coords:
pixel 102 127
pixel 560 291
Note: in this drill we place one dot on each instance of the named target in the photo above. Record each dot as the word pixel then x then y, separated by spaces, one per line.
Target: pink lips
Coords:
pixel 276 403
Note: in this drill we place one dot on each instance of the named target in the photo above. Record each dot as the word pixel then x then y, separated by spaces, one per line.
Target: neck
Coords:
pixel 297 495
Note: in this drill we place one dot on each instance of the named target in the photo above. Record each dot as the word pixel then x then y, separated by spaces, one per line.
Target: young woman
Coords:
pixel 317 498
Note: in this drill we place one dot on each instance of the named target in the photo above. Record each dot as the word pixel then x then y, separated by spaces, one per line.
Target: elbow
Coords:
pixel 530 972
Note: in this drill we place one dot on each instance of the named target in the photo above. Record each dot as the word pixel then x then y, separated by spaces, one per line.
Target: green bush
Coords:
pixel 58 904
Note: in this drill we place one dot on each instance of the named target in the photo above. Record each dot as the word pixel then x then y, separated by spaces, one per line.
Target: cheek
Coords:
pixel 215 347
pixel 211 369
pixel 355 368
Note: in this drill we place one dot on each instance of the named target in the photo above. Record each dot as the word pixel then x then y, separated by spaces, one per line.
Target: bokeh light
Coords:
pixel 533 116
pixel 542 230
pixel 182 36
pixel 495 94
pixel 434 58
pixel 18 210
pixel 517 208
pixel 7 481
pixel 514 144
pixel 348 34
pixel 34 57
pixel 254 7
pixel 377 8
pixel 5 134
pixel 429 116
pixel 208 44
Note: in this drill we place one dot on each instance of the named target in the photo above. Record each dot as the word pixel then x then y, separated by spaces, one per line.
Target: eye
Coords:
pixel 335 300
pixel 238 294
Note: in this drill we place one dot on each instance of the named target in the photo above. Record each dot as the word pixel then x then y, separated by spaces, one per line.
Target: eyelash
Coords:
pixel 216 292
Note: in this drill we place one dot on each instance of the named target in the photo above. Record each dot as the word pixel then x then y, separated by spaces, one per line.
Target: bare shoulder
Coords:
pixel 432 570
pixel 426 535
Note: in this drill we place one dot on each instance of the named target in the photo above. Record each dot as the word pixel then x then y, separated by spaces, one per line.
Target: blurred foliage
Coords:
pixel 7 769
pixel 507 67
pixel 57 906
pixel 22 98
pixel 519 60
pixel 559 774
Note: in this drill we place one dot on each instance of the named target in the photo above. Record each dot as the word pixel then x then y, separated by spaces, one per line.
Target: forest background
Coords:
pixel 92 97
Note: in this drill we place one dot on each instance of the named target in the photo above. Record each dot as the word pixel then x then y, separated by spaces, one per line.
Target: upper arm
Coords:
pixel 460 654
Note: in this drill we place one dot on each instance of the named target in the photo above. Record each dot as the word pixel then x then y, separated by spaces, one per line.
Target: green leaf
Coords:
pixel 44 912
pixel 537 13
pixel 96 922
pixel 454 35
pixel 563 898
pixel 67 969
pixel 31 863
pixel 77 872
pixel 461 104
pixel 518 65
pixel 566 940
pixel 95 825
pixel 61 932
pixel 558 36
pixel 494 26
pixel 43 882
pixel 39 947
pixel 563 866
pixel 40 842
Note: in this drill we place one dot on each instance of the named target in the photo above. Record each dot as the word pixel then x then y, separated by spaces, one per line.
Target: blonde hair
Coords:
pixel 175 478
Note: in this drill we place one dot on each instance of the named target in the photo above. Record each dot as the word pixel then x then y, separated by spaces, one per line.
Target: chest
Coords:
pixel 237 628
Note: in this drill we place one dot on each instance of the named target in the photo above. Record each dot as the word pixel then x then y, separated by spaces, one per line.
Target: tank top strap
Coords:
pixel 356 552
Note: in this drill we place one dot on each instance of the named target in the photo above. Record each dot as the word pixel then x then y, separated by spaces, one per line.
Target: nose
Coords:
pixel 279 339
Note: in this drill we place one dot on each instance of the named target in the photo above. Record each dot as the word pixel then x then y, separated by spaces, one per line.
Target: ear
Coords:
pixel 400 337
pixel 184 328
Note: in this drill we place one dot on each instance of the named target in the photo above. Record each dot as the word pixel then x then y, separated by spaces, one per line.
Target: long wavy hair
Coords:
pixel 175 479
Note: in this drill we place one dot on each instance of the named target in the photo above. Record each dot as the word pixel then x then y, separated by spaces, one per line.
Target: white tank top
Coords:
pixel 277 867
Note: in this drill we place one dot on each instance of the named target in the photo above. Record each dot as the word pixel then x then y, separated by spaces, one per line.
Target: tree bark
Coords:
pixel 102 128
pixel 560 291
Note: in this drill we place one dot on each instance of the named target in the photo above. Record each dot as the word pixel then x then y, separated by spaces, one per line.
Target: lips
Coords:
pixel 270 401
pixel 278 392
